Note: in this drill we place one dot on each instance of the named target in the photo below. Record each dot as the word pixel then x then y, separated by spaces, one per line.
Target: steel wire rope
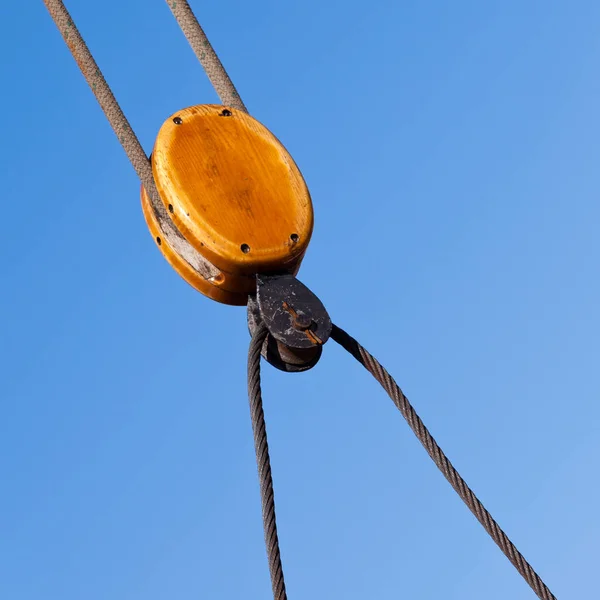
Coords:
pixel 443 462
pixel 264 464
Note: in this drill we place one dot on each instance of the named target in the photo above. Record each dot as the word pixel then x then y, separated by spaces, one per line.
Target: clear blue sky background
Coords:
pixel 452 152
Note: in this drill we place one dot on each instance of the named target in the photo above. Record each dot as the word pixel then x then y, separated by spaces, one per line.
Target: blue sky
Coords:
pixel 451 150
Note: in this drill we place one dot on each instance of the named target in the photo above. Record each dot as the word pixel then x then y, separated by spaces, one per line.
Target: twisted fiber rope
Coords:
pixel 442 461
pixel 264 465
pixel 122 128
pixel 205 53
pixel 103 93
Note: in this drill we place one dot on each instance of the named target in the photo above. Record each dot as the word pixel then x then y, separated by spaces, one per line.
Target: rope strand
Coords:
pixel 106 99
pixel 263 462
pixel 443 463
pixel 206 54
pixel 130 142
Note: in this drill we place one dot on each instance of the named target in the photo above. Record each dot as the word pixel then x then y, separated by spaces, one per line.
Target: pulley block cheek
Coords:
pixel 219 286
pixel 234 193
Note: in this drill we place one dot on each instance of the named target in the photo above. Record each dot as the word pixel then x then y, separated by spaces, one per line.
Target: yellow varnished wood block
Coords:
pixel 222 287
pixel 233 190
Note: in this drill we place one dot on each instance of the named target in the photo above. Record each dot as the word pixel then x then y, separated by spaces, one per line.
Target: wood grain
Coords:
pixel 224 288
pixel 233 190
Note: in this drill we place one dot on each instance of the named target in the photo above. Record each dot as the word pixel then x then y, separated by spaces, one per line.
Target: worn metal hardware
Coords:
pixel 296 319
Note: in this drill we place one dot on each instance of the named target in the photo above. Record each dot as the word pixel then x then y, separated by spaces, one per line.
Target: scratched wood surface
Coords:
pixel 233 190
pixel 224 288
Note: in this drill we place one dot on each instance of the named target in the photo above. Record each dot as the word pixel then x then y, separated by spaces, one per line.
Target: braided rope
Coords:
pixel 443 463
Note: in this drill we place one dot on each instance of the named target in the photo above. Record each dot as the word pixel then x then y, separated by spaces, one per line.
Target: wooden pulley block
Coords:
pixel 234 194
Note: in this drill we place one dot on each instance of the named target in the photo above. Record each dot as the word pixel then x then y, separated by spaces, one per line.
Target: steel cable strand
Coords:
pixel 442 462
pixel 206 54
pixel 264 464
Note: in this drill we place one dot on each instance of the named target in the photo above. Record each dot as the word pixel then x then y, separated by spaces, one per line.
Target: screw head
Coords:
pixel 178 120
pixel 302 321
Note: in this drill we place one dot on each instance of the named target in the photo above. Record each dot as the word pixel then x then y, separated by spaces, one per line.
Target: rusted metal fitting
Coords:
pixel 296 319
